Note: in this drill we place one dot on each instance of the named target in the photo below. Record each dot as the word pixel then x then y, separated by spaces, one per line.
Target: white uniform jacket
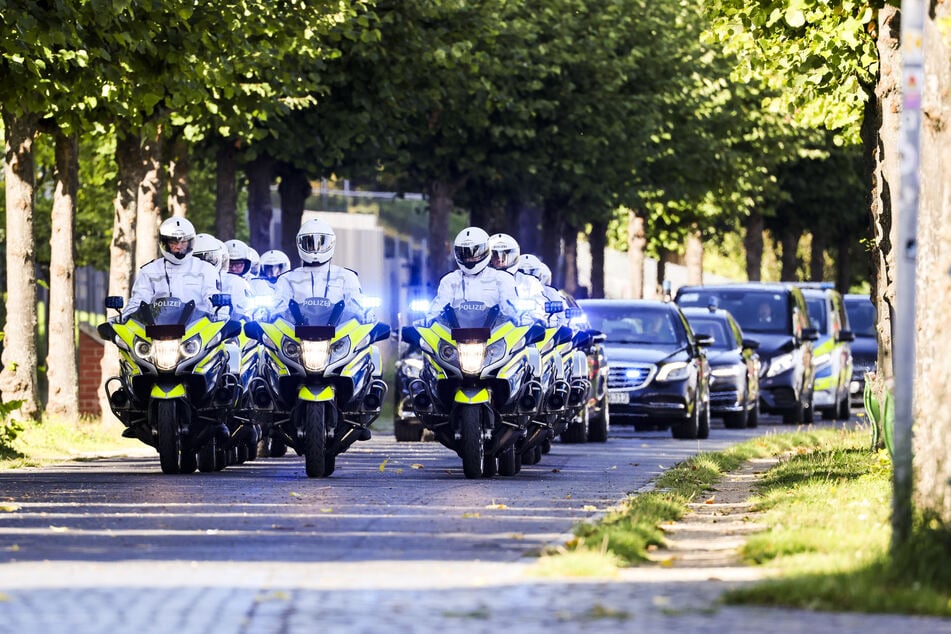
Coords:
pixel 240 292
pixel 491 287
pixel 327 280
pixel 191 279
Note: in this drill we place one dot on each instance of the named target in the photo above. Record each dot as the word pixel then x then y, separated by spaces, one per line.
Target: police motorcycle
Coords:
pixel 586 371
pixel 315 387
pixel 174 391
pixel 270 443
pixel 476 391
pixel 408 365
pixel 565 385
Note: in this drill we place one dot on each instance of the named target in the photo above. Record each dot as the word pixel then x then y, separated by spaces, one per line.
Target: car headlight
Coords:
pixel 675 371
pixel 447 352
pixel 166 353
pixel 471 357
pixel 494 351
pixel 822 359
pixel 290 348
pixel 729 371
pixel 780 364
pixel 339 350
pixel 314 354
pixel 191 347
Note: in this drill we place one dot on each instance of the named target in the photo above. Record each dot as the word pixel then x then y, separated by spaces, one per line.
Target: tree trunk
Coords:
pixel 440 259
pixel 570 239
pixel 932 401
pixel 693 258
pixel 122 247
pixel 753 245
pixel 226 191
pixel 149 205
pixel 179 166
pixel 529 223
pixel 843 265
pixel 260 174
pixel 18 379
pixel 817 252
pixel 61 359
pixel 880 136
pixel 636 243
pixel 551 243
pixel 294 189
pixel 598 241
pixel 790 245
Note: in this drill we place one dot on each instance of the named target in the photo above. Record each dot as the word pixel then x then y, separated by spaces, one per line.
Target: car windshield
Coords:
pixel 817 313
pixel 626 324
pixel 754 310
pixel 861 317
pixel 716 329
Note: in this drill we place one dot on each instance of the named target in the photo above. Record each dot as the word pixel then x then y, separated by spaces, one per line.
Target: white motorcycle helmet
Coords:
pixel 531 265
pixel 273 264
pixel 172 233
pixel 239 257
pixel 505 252
pixel 315 242
pixel 211 250
pixel 471 250
pixel 255 263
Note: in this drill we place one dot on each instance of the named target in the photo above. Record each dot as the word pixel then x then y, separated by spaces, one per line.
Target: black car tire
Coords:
pixel 688 429
pixel 599 425
pixel 752 417
pixel 845 410
pixel 736 420
pixel 794 416
pixel 703 426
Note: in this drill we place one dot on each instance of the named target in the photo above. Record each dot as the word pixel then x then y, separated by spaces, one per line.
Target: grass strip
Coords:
pixel 56 440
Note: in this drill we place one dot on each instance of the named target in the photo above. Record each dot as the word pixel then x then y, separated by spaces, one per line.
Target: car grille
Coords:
pixel 629 377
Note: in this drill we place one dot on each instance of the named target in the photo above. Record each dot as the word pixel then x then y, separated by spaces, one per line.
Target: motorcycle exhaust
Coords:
pixel 421 400
pixel 559 395
pixel 579 389
pixel 528 402
pixel 260 395
pixel 374 396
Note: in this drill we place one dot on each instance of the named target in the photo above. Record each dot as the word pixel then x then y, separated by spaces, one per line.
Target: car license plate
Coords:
pixel 619 397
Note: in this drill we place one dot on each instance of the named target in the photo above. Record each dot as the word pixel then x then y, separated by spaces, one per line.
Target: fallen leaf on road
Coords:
pixel 327 510
pixel 295 494
pixel 416 465
pixel 568 497
pixel 9 508
pixel 588 507
pixel 470 515
pixel 273 596
pixel 667 563
pixel 710 499
pixel 496 506
pixel 383 464
pixel 59 529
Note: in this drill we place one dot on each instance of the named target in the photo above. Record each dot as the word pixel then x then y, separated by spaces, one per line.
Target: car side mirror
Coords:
pixel 810 334
pixel 845 335
pixel 703 340
pixel 752 344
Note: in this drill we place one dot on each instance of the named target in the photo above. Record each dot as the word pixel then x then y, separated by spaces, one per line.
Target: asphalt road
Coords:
pixel 396 538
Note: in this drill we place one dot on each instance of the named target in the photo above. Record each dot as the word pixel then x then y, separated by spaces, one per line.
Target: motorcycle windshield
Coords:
pixel 320 311
pixel 471 315
pixel 167 311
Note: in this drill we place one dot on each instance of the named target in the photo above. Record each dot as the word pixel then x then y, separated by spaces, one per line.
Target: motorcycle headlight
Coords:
pixel 675 371
pixel 290 348
pixel 191 347
pixel 780 364
pixel 447 352
pixel 143 349
pixel 494 351
pixel 729 371
pixel 471 357
pixel 314 354
pixel 822 359
pixel 339 350
pixel 166 353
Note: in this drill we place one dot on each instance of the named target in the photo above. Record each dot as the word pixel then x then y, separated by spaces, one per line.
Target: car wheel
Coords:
pixel 845 411
pixel 736 420
pixel 795 416
pixel 688 429
pixel 809 412
pixel 752 417
pixel 703 427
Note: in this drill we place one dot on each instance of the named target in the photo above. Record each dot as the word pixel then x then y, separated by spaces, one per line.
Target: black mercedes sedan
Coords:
pixel 734 366
pixel 658 371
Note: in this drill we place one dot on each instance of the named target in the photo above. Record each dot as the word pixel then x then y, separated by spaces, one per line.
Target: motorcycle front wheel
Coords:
pixel 313 425
pixel 169 437
pixel 473 447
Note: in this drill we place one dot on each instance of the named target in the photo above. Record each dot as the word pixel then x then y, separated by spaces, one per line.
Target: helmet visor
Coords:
pixel 469 256
pixel 239 267
pixel 503 258
pixel 211 257
pixel 179 246
pixel 315 242
pixel 272 271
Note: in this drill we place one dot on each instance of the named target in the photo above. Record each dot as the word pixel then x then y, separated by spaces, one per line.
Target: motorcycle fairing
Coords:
pixel 305 393
pixel 473 395
pixel 168 392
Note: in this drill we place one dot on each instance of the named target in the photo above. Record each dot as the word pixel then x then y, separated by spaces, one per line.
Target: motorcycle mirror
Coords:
pixel 554 307
pixel 411 335
pixel 581 339
pixel 253 330
pixel 106 331
pixel 231 329
pixel 563 335
pixel 115 302
pixel 535 334
pixel 597 336
pixel 380 332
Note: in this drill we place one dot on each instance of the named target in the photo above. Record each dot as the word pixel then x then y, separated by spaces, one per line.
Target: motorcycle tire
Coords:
pixel 509 462
pixel 278 445
pixel 473 447
pixel 206 456
pixel 189 462
pixel 169 438
pixel 315 438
